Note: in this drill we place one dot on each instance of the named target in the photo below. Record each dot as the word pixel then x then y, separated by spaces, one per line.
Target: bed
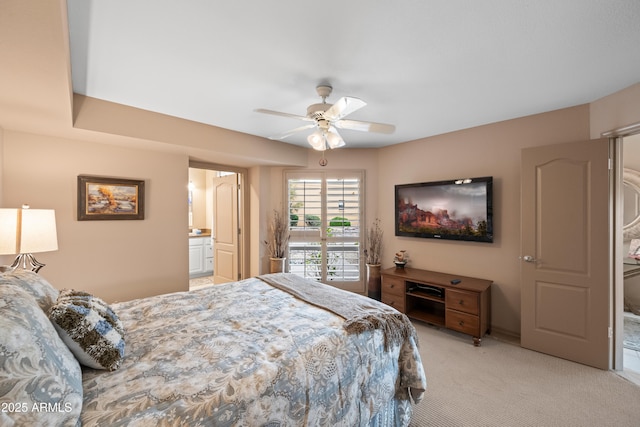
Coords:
pixel 274 350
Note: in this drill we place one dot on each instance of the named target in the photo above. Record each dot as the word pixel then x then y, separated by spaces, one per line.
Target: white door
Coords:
pixel 566 272
pixel 225 229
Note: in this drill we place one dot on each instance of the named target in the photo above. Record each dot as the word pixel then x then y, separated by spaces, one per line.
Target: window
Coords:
pixel 325 223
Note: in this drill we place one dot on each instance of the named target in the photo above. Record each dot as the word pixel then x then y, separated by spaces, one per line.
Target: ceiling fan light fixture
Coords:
pixel 334 139
pixel 316 140
pixel 327 117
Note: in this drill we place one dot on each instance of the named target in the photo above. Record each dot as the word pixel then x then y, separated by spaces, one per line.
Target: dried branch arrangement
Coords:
pixel 373 251
pixel 278 236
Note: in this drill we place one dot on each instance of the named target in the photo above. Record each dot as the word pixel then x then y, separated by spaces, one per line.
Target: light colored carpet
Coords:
pixel 502 384
pixel 631 332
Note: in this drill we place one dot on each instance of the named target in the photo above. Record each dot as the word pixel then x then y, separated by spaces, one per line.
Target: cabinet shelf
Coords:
pixel 433 319
pixel 424 295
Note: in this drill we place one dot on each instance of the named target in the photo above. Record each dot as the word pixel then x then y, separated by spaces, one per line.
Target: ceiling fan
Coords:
pixel 325 118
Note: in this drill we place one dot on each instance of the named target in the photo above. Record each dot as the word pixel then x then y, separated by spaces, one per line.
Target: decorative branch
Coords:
pixel 278 236
pixel 373 251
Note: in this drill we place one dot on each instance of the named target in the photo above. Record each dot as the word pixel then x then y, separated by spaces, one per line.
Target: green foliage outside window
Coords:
pixel 312 220
pixel 339 221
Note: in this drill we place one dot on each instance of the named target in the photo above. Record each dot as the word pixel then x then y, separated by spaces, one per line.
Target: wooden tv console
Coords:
pixel 459 303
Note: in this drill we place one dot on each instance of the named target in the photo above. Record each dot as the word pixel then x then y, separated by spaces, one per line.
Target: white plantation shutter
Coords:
pixel 326 219
pixel 305 213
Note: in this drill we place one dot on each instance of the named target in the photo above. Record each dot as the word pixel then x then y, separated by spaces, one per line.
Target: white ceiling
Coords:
pixel 428 67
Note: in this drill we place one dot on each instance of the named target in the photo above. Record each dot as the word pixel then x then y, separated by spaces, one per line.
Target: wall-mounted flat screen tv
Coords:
pixel 460 209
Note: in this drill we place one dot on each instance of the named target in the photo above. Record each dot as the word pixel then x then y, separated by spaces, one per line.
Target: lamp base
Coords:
pixel 27 261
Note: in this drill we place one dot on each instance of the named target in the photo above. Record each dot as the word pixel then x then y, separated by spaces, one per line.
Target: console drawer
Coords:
pixel 393 285
pixel 395 301
pixel 462 322
pixel 462 301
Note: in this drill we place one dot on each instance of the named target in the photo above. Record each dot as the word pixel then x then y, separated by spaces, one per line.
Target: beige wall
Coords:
pixel 2 178
pixel 119 260
pixel 262 185
pixel 198 177
pixel 491 150
pixel 206 143
pixel 614 111
pixel 125 259
pixel 116 260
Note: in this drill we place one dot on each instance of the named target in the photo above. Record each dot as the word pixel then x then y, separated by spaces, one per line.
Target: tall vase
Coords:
pixel 276 265
pixel 374 281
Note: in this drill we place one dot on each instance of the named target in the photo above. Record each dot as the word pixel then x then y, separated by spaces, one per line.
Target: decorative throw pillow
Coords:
pixel 34 284
pixel 40 380
pixel 90 328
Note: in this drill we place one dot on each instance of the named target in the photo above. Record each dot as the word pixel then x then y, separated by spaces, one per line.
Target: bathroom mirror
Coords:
pixel 631 210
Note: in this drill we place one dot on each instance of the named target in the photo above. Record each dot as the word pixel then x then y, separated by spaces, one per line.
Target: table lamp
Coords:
pixel 25 232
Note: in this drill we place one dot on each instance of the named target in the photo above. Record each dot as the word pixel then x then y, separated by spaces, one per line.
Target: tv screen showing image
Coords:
pixel 459 209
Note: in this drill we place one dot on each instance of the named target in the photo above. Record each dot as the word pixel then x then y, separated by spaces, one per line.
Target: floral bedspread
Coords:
pixel 247 354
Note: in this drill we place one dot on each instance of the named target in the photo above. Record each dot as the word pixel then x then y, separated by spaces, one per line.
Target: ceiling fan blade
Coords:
pixel 344 106
pixel 365 126
pixel 278 113
pixel 292 131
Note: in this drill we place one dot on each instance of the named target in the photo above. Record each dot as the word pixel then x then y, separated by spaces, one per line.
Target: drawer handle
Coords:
pixel 461 302
pixel 391 302
pixel 461 323
pixel 392 286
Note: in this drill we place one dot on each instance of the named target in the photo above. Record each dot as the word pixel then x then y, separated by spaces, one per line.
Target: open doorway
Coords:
pixel 631 254
pixel 215 224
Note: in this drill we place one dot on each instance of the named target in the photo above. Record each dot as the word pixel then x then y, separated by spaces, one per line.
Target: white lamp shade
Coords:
pixel 334 139
pixel 27 231
pixel 316 140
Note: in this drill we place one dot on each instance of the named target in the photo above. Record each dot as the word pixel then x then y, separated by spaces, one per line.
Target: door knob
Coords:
pixel 528 258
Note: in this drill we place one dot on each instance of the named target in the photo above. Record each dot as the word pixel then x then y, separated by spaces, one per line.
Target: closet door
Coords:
pixel 566 273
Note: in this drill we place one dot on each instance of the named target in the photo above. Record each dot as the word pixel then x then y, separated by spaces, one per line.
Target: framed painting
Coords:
pixel 102 198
